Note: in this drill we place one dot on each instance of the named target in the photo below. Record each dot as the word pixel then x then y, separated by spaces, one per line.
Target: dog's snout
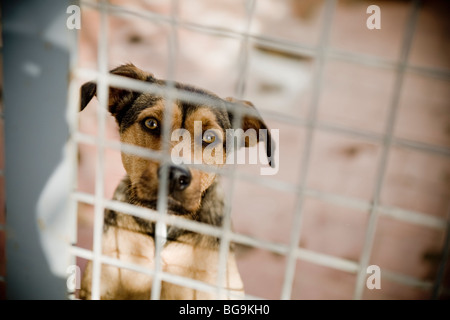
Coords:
pixel 179 177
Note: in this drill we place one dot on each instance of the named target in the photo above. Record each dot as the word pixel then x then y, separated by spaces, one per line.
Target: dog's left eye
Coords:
pixel 209 137
pixel 151 123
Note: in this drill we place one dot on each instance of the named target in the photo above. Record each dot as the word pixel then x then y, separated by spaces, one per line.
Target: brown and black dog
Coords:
pixel 192 193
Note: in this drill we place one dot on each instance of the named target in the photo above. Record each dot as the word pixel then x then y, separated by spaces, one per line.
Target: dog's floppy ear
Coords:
pixel 253 122
pixel 116 95
pixel 88 90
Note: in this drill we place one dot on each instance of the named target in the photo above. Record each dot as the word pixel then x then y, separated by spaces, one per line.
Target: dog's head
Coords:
pixel 203 125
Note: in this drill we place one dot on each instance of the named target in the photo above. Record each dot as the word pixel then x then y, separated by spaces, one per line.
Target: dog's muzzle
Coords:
pixel 179 177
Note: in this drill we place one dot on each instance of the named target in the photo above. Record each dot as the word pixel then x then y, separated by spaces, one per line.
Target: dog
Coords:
pixel 192 193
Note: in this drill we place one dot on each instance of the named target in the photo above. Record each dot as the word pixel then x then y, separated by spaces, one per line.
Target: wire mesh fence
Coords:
pixel 362 180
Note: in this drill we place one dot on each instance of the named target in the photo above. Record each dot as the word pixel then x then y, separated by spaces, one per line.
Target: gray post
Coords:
pixel 36 56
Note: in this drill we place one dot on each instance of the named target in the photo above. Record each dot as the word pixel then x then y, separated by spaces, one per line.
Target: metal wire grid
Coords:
pixel 293 252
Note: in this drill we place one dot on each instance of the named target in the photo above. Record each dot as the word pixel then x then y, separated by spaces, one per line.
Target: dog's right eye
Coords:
pixel 151 123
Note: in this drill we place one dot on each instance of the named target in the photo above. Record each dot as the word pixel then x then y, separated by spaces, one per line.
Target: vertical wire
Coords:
pixel 73 106
pixel 102 95
pixel 388 140
pixel 311 119
pixel 161 227
pixel 237 120
pixel 72 157
pixel 243 64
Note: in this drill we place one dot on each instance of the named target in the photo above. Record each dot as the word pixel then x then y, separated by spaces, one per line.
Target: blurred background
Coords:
pixel 338 93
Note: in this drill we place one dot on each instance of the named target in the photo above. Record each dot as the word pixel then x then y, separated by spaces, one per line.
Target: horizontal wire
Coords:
pixel 327 260
pixel 410 216
pixel 414 217
pixel 406 280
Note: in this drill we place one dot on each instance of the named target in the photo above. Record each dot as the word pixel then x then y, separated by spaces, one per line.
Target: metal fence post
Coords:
pixel 36 56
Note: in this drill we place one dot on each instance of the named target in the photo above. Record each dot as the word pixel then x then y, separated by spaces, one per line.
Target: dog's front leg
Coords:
pixel 121 283
pixel 199 260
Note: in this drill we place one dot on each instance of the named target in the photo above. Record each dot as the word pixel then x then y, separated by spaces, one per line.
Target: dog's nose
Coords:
pixel 179 177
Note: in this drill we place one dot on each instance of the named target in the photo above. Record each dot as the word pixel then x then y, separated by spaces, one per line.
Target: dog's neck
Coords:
pixel 211 211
